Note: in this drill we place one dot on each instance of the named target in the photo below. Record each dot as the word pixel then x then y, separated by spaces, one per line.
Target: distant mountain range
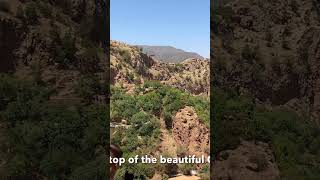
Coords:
pixel 169 53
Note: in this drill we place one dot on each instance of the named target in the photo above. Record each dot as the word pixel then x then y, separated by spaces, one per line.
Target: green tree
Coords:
pixel 88 86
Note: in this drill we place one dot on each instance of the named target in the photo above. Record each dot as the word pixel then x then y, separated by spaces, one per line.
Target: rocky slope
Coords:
pixel 269 49
pixel 47 41
pixel 182 122
pixel 168 54
pixel 57 46
pixel 190 133
pixel 130 65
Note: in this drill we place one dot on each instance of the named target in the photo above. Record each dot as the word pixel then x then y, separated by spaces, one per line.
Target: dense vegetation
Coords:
pixel 44 139
pixel 294 141
pixel 143 111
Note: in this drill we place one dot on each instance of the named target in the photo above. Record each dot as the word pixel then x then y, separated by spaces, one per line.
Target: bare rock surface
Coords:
pixel 188 131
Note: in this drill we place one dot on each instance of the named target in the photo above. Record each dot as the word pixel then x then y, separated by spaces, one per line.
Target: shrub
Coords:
pixel 165 177
pixel 167 119
pixel 186 168
pixel 125 54
pixel 88 86
pixel 151 102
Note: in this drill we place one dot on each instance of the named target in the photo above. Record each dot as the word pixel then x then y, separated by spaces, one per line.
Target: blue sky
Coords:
pixel 184 24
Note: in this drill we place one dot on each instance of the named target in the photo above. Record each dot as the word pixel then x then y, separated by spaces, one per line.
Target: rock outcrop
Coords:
pixel 189 132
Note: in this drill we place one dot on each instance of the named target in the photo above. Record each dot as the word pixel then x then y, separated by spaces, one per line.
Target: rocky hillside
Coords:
pixel 168 54
pixel 269 49
pixel 265 58
pixel 129 65
pixel 158 109
pixel 53 89
pixel 48 42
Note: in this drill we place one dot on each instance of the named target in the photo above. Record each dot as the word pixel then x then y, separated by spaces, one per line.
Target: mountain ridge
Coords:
pixel 169 53
pixel 129 65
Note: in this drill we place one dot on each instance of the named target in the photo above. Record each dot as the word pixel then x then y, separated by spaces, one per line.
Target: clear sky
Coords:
pixel 184 24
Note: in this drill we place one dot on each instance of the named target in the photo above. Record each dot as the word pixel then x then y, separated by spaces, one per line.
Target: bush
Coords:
pixel 88 86
pixel 144 124
pixel 125 54
pixel 165 177
pixel 151 102
pixel 167 119
pixel 186 168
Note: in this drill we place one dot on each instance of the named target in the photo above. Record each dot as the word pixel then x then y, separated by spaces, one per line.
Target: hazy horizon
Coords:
pixel 182 25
